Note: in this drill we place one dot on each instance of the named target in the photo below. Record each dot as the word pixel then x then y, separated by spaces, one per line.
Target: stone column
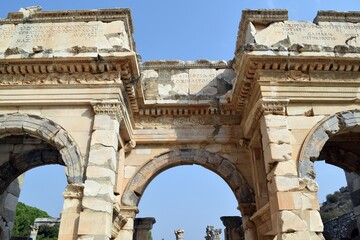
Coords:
pixel 142 227
pixel 71 211
pixel 33 232
pixel 99 198
pixel 293 201
pixel 179 234
pixel 233 228
pixel 127 231
pixel 212 233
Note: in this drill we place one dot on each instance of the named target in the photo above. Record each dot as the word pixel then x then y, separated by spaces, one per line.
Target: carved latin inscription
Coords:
pixel 198 82
pixel 297 32
pixel 62 36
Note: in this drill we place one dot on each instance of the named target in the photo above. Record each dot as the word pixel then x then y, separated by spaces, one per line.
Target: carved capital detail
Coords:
pixel 118 221
pixel 73 191
pixel 271 106
pixel 113 109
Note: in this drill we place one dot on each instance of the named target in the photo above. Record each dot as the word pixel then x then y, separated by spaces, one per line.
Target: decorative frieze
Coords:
pixel 56 78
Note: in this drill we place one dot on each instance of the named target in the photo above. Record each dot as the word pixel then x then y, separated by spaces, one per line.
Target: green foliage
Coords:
pixel 336 204
pixel 150 236
pixel 25 217
pixel 333 198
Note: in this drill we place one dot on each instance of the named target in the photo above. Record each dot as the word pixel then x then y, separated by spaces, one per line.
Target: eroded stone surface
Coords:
pixel 288 33
pixel 48 38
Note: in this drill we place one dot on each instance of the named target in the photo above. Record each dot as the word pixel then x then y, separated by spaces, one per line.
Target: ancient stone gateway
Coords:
pixel 288 98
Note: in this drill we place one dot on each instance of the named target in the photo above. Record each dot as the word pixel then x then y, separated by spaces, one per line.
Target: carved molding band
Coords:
pixel 54 78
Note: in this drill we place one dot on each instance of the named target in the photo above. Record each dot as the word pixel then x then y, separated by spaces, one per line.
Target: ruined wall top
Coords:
pixel 31 33
pixel 331 31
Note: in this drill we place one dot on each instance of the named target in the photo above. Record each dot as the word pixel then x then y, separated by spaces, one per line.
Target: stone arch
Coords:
pixel 214 162
pixel 336 124
pixel 51 133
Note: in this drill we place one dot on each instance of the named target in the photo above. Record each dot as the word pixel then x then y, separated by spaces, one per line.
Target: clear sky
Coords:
pixel 182 197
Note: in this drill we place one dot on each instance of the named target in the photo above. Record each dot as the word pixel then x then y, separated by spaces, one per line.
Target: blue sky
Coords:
pixel 182 197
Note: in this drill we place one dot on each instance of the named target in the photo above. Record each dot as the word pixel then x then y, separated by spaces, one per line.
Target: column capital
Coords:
pixel 144 223
pixel 113 109
pixel 231 221
pixel 129 212
pixel 264 106
pixel 74 191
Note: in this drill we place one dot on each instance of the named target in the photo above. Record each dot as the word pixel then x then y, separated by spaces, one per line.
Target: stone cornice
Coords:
pixel 333 16
pixel 248 65
pixel 45 66
pixel 73 71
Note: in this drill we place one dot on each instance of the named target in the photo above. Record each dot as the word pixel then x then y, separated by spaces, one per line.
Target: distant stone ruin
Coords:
pixel 46 222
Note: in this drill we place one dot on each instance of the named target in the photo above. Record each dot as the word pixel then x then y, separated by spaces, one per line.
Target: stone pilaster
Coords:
pixel 293 201
pixel 233 228
pixel 127 231
pixel 71 212
pixel 142 227
pixel 99 198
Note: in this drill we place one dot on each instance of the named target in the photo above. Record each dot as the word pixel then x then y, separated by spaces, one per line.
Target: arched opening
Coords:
pixel 41 195
pixel 336 139
pixel 219 165
pixel 26 142
pixel 188 198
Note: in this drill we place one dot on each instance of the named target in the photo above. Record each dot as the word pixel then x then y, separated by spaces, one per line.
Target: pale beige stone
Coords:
pixel 310 201
pixel 302 122
pixel 278 136
pixel 284 183
pixel 299 235
pixel 105 122
pixel 289 222
pixel 279 152
pixel 129 171
pixel 287 168
pixel 275 121
pixel 214 148
pixel 49 35
pixel 313 220
pixel 71 205
pixel 107 138
pixel 95 223
pixel 288 200
pixel 100 173
pixel 202 81
pixel 99 189
pixel 102 157
pixel 289 32
pixel 97 205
